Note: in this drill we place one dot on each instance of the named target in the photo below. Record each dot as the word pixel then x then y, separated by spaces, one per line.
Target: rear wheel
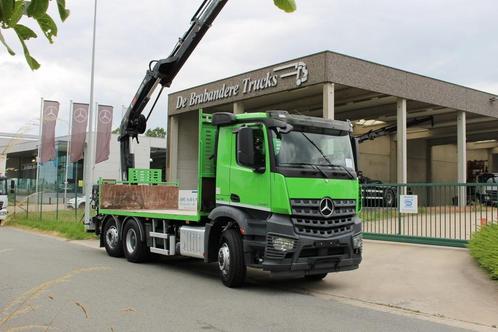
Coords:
pixel 316 277
pixel 135 250
pixel 112 243
pixel 389 198
pixel 231 259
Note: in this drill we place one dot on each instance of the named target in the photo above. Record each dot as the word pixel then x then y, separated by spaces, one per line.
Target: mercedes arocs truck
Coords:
pixel 269 190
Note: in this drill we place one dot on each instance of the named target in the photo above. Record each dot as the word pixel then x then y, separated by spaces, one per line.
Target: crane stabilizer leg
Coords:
pixel 163 72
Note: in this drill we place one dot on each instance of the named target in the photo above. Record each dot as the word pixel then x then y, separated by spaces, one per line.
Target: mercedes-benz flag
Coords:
pixel 104 128
pixel 49 120
pixel 78 131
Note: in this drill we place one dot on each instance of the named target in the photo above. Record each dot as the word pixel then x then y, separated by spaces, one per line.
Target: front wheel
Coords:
pixel 231 259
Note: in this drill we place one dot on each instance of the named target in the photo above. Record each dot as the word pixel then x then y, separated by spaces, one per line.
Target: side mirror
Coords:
pixel 356 152
pixel 245 147
pixel 12 186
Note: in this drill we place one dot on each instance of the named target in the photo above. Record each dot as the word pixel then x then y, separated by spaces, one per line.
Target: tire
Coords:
pixel 389 198
pixel 135 250
pixel 112 243
pixel 315 277
pixel 81 206
pixel 231 259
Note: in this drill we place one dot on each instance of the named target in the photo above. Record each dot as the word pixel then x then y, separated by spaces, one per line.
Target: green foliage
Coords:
pixel 484 247
pixel 287 6
pixel 156 132
pixel 12 11
pixel 67 226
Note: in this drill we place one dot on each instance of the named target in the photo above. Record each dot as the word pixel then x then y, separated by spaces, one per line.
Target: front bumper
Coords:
pixel 309 255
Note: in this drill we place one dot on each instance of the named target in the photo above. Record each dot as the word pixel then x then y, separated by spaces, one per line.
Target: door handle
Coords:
pixel 234 198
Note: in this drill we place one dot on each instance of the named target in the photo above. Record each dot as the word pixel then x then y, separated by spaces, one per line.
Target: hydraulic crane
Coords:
pixel 390 129
pixel 163 72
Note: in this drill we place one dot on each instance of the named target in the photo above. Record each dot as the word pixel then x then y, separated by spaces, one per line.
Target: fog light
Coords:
pixel 357 241
pixel 283 244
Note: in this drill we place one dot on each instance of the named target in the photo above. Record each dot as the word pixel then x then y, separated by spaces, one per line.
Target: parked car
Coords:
pixel 374 193
pixel 487 194
pixel 78 202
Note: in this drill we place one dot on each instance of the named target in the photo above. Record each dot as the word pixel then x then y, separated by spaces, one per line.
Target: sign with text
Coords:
pixel 297 70
pixel 408 204
pixel 187 200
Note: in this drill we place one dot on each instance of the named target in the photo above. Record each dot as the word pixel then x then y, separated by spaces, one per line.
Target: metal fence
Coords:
pixel 430 213
pixel 47 202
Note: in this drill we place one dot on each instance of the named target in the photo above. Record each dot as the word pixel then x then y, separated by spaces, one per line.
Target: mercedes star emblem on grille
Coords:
pixel 326 207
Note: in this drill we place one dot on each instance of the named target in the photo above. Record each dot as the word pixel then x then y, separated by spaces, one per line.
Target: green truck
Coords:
pixel 269 190
pixel 273 191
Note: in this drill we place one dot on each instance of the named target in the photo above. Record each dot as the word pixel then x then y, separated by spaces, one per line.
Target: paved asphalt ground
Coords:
pixel 54 285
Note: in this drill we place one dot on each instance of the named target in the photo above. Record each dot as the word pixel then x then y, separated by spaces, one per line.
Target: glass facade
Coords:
pixel 21 167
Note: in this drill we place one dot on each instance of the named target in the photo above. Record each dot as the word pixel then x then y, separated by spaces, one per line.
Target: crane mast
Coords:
pixel 162 72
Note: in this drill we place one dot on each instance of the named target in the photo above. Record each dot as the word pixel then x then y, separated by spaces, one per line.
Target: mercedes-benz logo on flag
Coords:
pixel 50 114
pixel 105 116
pixel 80 115
pixel 326 207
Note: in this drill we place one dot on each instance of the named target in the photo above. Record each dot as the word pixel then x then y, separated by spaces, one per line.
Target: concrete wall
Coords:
pixel 188 146
pixel 378 160
pixel 375 159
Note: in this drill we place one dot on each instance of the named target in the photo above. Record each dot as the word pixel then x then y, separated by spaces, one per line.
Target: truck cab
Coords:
pixel 273 191
pixel 3 198
pixel 293 179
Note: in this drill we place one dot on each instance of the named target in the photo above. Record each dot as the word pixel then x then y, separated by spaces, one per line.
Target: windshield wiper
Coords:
pixel 325 157
pixel 308 164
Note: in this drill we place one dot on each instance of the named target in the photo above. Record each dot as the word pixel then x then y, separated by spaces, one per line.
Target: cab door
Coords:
pixel 250 188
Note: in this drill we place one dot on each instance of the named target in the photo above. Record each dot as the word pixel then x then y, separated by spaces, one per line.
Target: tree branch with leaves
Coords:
pixel 11 13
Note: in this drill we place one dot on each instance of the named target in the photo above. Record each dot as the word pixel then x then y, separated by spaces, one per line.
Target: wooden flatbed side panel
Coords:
pixel 138 197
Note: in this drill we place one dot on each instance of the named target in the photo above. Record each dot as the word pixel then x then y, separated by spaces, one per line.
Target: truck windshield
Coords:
pixel 3 186
pixel 306 148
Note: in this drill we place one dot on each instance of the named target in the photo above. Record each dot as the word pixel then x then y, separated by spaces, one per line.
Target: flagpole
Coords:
pixel 39 146
pixel 90 155
pixel 70 125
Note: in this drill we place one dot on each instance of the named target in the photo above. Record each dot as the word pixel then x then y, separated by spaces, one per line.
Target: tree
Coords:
pixel 11 12
pixel 286 5
pixel 156 132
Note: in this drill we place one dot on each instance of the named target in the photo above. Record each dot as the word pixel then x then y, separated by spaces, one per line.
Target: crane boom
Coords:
pixel 163 72
pixel 390 129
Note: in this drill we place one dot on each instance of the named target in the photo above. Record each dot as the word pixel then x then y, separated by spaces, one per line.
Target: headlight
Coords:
pixel 283 244
pixel 357 241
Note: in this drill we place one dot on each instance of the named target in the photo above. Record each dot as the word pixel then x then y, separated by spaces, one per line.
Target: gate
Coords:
pixel 428 213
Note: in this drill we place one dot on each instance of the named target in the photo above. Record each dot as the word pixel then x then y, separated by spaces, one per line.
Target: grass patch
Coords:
pixel 484 247
pixel 68 225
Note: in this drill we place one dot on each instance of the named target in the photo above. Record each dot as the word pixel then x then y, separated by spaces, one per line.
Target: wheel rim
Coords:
pixel 224 259
pixel 112 236
pixel 131 240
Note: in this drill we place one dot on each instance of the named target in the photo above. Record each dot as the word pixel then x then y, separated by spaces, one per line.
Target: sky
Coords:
pixel 452 40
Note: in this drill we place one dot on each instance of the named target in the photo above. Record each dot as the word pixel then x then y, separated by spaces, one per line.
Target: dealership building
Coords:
pixel 461 126
pixel 20 162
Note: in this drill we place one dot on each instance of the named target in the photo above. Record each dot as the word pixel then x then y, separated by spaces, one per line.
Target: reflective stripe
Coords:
pixel 254 207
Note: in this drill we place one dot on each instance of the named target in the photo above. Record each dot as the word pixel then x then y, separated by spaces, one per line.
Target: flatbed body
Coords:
pixel 171 214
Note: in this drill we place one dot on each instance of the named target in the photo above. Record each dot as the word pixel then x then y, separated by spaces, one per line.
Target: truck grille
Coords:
pixel 308 220
pixel 1 205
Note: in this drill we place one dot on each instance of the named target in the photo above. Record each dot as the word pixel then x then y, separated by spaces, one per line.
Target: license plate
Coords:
pixel 326 243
